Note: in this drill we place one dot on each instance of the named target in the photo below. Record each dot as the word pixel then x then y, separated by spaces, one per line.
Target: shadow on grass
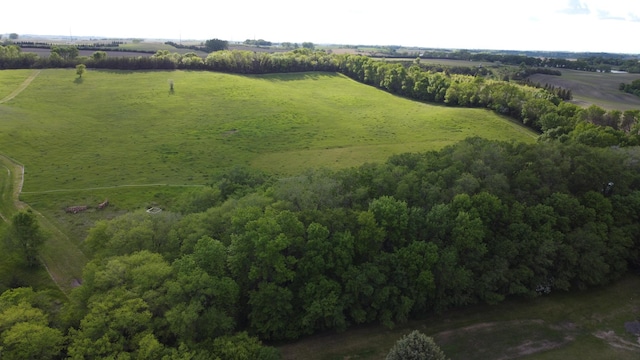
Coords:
pixel 78 80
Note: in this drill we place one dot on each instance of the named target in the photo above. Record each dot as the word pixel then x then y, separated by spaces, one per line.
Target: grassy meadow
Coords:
pixel 111 129
pixel 124 136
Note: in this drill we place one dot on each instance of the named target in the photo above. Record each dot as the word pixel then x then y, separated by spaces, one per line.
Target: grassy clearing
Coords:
pixel 561 326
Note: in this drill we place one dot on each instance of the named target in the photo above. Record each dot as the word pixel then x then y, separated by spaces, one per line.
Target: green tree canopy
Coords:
pixel 216 45
pixel 66 52
pixel 26 236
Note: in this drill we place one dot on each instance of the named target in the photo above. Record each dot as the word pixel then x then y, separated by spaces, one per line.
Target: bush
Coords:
pixel 416 346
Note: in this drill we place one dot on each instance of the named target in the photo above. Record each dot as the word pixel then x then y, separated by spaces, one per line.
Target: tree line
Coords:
pixel 255 258
pixel 583 62
pixel 632 88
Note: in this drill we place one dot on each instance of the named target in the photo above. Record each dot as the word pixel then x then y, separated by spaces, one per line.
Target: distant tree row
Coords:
pixel 180 46
pixel 560 92
pixel 525 71
pixel 32 44
pixel 632 88
pixel 212 45
pixel 259 42
pixel 592 63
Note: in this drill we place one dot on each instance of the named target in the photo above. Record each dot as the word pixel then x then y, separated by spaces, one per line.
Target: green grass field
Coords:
pixel 125 128
pixel 125 137
pixel 576 325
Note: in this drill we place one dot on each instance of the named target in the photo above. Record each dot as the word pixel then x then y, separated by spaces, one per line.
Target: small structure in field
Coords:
pixel 154 210
pixel 75 209
pixel 103 204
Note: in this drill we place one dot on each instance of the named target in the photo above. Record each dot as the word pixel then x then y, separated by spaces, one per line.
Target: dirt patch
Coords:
pixel 42 52
pixel 507 339
pixel 617 342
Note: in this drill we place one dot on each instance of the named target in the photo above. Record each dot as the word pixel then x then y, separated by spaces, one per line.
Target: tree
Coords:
pixel 66 52
pixel 99 55
pixel 216 45
pixel 81 69
pixel 308 45
pixel 115 325
pixel 13 36
pixel 243 347
pixel 25 234
pixel 416 346
pixel 24 327
pixel 27 340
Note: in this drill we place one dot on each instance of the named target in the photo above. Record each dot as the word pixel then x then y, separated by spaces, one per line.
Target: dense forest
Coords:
pixel 255 258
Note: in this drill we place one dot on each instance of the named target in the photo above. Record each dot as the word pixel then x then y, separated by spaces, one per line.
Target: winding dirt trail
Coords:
pixel 62 259
pixel 20 88
pixel 11 194
pixel 59 271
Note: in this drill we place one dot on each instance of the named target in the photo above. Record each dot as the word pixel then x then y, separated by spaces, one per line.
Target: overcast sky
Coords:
pixel 573 25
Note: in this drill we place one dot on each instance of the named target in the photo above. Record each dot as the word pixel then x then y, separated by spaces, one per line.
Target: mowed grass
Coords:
pixel 124 128
pixel 10 80
pixel 576 325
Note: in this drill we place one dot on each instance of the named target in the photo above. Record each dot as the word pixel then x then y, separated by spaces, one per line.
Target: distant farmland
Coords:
pixel 594 88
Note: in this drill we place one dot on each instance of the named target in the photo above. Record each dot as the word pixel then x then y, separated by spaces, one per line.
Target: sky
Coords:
pixel 553 25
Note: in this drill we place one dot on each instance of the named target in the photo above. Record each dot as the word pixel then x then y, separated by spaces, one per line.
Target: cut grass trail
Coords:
pixel 61 258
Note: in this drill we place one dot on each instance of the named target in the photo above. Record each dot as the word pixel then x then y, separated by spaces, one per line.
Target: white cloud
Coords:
pixel 494 24
pixel 575 7
pixel 605 15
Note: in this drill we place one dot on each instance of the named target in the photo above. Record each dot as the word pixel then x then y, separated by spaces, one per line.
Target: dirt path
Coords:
pixel 15 173
pixel 108 187
pixel 62 259
pixel 20 88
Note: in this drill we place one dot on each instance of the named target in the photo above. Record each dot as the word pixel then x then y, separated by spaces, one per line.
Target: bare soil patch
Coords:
pixel 506 339
pixel 590 88
pixel 617 341
pixel 46 52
